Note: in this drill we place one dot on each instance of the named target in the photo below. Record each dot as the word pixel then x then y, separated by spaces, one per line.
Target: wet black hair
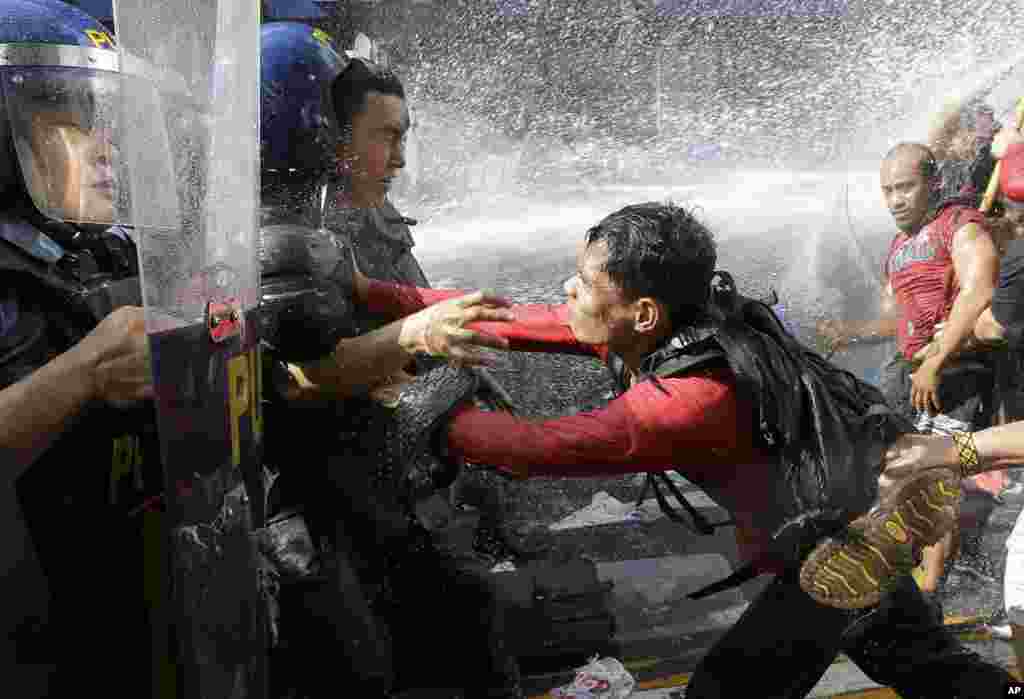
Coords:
pixel 661 251
pixel 349 90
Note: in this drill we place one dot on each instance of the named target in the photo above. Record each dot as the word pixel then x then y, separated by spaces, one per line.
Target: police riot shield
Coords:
pixel 191 168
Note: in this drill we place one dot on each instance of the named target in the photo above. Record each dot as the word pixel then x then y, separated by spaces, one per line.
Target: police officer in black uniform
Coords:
pixel 77 436
pixel 431 585
pixel 332 366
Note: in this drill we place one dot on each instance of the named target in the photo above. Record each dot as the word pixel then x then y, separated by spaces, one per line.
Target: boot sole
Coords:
pixel 855 574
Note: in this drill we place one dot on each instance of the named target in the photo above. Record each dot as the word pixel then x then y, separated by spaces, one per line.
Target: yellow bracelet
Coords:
pixel 967 454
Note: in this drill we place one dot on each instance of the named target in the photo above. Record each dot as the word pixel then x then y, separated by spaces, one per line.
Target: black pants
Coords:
pixel 334 643
pixel 785 642
pixel 441 626
pixel 449 627
pixel 393 611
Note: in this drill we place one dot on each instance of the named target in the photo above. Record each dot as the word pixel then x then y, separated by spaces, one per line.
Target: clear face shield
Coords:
pixel 64 125
pixel 70 113
pixel 73 114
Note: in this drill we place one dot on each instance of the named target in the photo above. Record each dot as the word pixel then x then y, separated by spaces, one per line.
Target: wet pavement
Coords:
pixel 662 635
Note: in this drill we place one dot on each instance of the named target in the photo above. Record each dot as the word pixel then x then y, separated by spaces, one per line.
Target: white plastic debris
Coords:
pixel 606 678
pixel 603 509
pixel 1001 632
pixel 607 509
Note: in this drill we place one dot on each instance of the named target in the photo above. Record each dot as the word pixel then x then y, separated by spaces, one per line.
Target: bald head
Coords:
pixel 916 155
pixel 907 175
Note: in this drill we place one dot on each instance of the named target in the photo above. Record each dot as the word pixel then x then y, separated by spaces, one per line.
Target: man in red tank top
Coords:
pixel 941 267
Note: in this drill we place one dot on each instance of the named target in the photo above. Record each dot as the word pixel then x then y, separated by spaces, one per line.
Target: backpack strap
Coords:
pixel 745 573
pixel 675 362
pixel 696 522
pixel 684 363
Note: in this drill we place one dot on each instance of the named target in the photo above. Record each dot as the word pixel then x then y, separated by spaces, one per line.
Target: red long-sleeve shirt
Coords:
pixel 694 424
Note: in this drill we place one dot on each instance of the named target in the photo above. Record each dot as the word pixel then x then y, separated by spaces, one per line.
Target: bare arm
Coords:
pixel 358 364
pixel 111 363
pixel 998 448
pixel 885 324
pixel 1001 447
pixel 988 329
pixel 35 411
pixel 976 263
pixel 841 332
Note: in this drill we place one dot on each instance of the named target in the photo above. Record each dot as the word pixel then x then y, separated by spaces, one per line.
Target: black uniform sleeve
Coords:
pixel 307 292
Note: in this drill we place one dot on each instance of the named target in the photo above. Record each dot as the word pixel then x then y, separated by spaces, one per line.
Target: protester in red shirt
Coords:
pixel 640 301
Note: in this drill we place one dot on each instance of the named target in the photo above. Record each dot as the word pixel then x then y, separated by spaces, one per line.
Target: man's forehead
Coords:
pixel 900 168
pixel 592 256
pixel 387 111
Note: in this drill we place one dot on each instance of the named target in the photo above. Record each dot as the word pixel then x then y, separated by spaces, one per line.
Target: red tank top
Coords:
pixel 920 270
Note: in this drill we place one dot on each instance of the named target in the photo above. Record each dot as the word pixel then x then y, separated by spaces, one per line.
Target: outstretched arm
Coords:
pixel 359 363
pixel 840 333
pixel 534 327
pixel 691 422
pixel 998 448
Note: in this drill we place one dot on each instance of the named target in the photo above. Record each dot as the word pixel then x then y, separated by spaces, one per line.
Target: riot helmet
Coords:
pixel 59 93
pixel 297 66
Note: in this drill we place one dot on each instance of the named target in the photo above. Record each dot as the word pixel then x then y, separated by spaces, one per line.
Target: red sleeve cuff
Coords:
pixel 398 301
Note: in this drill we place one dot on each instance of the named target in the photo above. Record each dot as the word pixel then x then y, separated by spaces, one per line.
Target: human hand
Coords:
pixel 913 453
pixel 835 334
pixel 117 354
pixel 440 331
pixel 924 389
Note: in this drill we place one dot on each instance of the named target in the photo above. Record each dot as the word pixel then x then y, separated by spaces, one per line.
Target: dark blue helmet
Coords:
pixel 59 77
pixel 50 22
pixel 297 65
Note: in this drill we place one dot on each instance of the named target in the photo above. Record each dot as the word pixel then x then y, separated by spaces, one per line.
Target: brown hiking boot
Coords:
pixel 884 543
